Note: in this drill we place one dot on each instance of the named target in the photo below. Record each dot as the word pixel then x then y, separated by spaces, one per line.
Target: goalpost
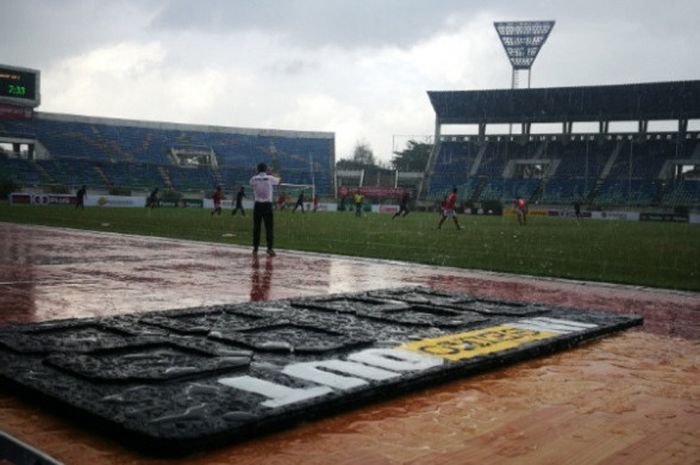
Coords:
pixel 292 192
pixel 296 188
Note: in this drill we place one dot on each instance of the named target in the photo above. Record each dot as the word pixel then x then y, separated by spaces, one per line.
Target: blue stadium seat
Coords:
pixel 22 172
pixel 134 155
pixel 635 178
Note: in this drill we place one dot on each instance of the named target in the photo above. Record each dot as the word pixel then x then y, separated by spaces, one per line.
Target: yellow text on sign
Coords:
pixel 482 341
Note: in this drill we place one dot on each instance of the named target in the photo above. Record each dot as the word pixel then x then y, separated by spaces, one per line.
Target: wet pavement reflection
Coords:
pixel 261 280
pixel 49 274
pixel 626 398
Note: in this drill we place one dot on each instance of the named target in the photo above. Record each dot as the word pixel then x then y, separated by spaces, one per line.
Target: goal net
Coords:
pixel 286 195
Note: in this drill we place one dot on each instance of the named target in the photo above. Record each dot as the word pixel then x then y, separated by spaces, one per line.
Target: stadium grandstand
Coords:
pixel 48 150
pixel 599 168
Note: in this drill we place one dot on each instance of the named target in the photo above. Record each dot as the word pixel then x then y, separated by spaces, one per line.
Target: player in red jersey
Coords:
pixel 217 197
pixel 282 201
pixel 448 209
pixel 521 210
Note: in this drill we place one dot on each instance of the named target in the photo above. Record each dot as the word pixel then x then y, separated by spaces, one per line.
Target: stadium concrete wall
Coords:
pixel 118 201
pixel 70 199
pixel 613 215
pixel 248 205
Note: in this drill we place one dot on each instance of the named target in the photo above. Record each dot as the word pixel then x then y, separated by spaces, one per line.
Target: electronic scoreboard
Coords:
pixel 19 86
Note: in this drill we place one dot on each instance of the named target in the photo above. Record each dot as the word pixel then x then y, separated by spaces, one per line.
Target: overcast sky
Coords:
pixel 358 68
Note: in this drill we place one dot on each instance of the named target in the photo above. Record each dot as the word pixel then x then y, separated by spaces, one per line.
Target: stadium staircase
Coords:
pixel 611 160
pixel 659 194
pixel 102 175
pixel 537 194
pixel 163 171
pixel 478 159
pixel 481 184
pixel 430 168
pixel 597 189
pixel 594 192
pixel 218 176
pixel 541 150
pixel 44 174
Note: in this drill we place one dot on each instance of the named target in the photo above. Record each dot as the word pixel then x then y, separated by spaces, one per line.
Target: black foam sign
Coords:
pixel 174 381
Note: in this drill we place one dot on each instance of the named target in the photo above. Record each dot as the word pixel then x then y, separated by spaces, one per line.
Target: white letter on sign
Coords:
pixel 396 359
pixel 314 371
pixel 279 395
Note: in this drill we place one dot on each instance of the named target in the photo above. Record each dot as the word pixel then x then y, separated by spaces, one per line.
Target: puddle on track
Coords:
pixel 628 398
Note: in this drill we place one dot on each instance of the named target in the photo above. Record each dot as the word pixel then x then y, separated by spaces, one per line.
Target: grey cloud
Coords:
pixel 38 32
pixel 295 67
pixel 594 42
pixel 316 23
pixel 401 23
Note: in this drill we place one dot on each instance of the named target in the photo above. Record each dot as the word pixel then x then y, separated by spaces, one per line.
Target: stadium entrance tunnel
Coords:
pixel 179 380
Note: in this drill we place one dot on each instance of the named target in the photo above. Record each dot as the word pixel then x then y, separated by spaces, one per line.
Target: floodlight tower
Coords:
pixel 523 41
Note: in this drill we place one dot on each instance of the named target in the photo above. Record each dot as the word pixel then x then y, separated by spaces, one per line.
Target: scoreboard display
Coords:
pixel 19 86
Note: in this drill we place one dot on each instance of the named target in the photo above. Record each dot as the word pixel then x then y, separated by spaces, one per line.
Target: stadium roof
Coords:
pixel 119 122
pixel 628 102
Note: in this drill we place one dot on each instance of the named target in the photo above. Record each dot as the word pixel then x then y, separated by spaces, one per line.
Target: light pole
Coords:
pixel 522 41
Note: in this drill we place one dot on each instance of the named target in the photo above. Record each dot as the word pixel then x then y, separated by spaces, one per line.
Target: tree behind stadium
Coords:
pixel 413 158
pixel 362 158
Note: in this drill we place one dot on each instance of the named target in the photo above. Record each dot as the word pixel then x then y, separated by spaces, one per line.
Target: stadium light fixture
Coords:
pixel 522 41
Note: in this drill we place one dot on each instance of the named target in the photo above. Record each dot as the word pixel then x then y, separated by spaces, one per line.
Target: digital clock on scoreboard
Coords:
pixel 19 86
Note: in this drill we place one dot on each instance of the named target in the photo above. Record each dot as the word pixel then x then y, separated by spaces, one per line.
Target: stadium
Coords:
pixel 645 171
pixel 59 153
pixel 129 333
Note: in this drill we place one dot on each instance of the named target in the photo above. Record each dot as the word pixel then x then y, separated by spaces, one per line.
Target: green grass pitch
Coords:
pixel 650 254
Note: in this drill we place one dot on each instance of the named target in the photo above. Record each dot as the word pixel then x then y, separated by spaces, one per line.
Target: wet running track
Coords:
pixel 630 398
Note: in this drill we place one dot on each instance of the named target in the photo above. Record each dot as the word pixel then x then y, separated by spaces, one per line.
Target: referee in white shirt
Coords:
pixel 262 211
